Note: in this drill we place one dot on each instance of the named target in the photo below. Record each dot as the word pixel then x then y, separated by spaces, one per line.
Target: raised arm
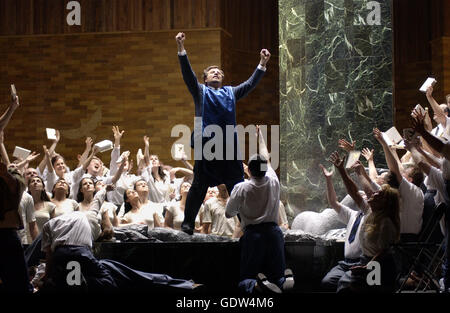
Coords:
pixel 243 89
pixel 3 152
pixel 417 157
pixel 368 155
pixel 51 150
pixel 434 142
pixel 363 178
pixel 184 171
pixel 439 114
pixel 115 153
pixel 86 151
pixel 188 74
pixel 390 159
pixel 331 193
pixel 4 119
pixel 348 182
pixel 262 145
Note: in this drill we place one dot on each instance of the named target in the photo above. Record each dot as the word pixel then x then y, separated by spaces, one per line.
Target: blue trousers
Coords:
pixel 13 269
pixel 262 251
pixel 108 275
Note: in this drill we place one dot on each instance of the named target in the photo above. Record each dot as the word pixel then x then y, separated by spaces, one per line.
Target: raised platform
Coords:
pixel 216 264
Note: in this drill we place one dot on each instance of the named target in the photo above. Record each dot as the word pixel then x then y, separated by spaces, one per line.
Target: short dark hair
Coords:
pixel 126 204
pixel 256 167
pixel 206 70
pixel 416 175
pixel 391 180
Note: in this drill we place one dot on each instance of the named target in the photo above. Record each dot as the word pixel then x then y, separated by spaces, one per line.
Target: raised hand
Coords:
pixel 418 121
pixel 336 160
pixel 265 56
pixel 89 143
pixel 179 38
pixel 358 167
pixel 58 136
pixel 378 136
pixel 325 172
pixel 347 146
pixel 46 152
pixel 367 154
pixel 117 134
pixel 147 141
pixel 32 157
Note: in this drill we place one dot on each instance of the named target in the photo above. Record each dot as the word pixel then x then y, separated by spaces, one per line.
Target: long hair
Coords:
pixel 43 196
pixel 160 170
pixel 390 209
pixel 126 204
pixel 80 196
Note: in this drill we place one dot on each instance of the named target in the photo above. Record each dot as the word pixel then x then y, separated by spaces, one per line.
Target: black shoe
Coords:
pixel 265 286
pixel 289 282
pixel 187 230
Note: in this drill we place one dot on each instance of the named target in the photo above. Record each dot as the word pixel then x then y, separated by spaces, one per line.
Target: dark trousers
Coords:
pixel 108 275
pixel 13 269
pixel 262 251
pixel 357 281
pixel 33 254
pixel 336 275
pixel 197 194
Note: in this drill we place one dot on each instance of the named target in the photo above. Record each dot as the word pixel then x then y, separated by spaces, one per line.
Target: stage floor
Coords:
pixel 216 264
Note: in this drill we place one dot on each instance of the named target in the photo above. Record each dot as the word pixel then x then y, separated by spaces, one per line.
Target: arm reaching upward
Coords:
pixel 331 193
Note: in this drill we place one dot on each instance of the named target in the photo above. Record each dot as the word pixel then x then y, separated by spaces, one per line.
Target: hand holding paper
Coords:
pixel 430 82
pixel 103 146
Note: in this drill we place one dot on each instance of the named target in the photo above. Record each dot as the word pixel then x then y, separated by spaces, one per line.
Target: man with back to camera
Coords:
pixel 214 105
pixel 257 201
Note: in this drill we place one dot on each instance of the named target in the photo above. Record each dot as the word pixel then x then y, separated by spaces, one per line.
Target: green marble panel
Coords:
pixel 335 82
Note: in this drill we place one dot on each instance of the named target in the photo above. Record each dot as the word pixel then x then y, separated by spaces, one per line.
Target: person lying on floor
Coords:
pixel 67 242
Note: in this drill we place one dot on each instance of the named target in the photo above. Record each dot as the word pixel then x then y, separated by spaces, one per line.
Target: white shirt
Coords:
pixel 411 207
pixel 256 200
pixel 26 207
pixel 145 215
pixel 214 213
pixel 348 216
pixel 67 229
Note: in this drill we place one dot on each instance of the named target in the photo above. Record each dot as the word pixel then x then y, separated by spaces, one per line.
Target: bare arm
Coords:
pixel 390 159
pixel 418 125
pixel 3 152
pixel 86 151
pixel 364 179
pixel 348 182
pixel 368 155
pixel 5 118
pixel 331 193
pixel 440 115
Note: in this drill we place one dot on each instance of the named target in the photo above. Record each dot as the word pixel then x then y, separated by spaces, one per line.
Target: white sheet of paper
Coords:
pixel 353 156
pixel 127 153
pixel 104 145
pixel 51 133
pixel 429 82
pixel 13 90
pixel 21 153
pixel 419 108
pixel 392 136
pixel 179 151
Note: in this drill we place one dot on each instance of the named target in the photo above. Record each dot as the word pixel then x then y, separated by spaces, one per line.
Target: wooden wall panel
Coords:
pixel 85 84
